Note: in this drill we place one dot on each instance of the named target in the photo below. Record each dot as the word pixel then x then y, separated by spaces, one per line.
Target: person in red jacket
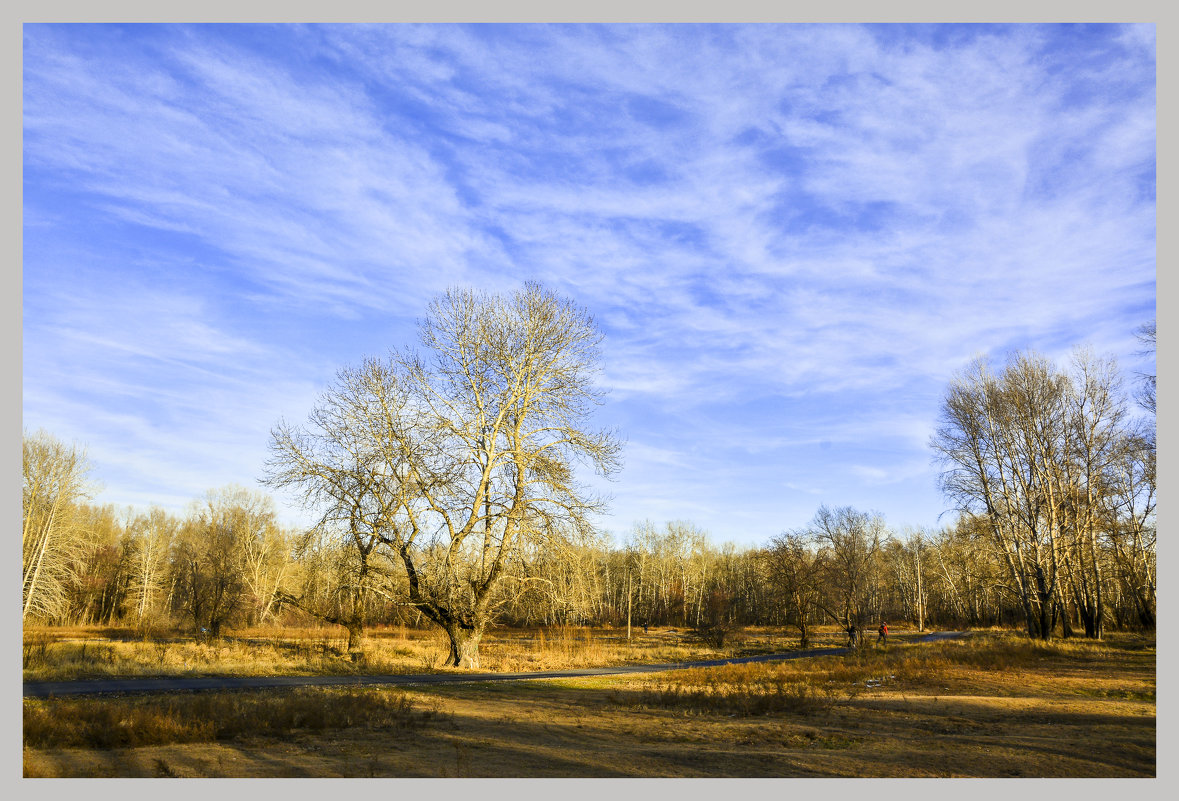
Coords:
pixel 883 631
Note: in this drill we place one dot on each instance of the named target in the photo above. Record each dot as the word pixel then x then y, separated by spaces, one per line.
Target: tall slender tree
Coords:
pixel 54 482
pixel 151 541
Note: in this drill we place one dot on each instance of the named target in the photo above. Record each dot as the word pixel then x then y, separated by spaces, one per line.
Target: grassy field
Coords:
pixel 95 652
pixel 993 705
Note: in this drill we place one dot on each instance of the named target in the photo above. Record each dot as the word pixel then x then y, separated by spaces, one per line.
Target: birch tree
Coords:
pixel 153 534
pixel 907 565
pixel 1130 522
pixel 990 473
pixel 54 482
pixel 1035 455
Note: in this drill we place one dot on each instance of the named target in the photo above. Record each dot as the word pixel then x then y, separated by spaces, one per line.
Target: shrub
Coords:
pixel 718 633
pixel 741 690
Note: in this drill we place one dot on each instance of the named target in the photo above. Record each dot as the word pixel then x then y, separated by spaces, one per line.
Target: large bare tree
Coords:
pixel 850 543
pixel 1147 334
pixel 797 572
pixel 456 456
pixel 211 558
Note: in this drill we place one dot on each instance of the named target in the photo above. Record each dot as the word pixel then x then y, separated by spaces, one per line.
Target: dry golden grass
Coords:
pixel 207 717
pixel 102 652
pixel 994 705
pixel 984 662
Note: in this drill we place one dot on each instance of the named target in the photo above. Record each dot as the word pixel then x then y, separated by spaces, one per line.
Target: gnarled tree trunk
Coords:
pixel 464 645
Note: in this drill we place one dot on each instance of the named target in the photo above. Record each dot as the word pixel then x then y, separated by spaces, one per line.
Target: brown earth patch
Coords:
pixel 995 707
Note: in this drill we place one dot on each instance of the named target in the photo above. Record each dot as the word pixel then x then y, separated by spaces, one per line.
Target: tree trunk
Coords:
pixel 1146 614
pixel 628 599
pixel 1066 627
pixel 804 634
pixel 464 646
pixel 920 595
pixel 355 629
pixel 1047 620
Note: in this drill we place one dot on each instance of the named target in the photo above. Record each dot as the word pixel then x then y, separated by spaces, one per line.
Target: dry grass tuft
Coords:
pixel 206 717
pixel 743 697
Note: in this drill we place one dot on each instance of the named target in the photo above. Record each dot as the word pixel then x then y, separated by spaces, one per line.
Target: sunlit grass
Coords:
pixel 106 652
pixel 206 717
pixel 983 660
pixel 995 704
pixel 103 652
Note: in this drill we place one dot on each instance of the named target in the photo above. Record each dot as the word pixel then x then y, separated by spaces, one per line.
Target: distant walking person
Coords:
pixel 883 631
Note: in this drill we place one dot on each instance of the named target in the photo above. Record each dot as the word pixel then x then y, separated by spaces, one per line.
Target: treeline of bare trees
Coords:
pixel 226 562
pixel 845 567
pixel 445 483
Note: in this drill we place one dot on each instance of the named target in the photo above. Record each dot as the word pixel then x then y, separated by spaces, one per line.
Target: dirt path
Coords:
pixel 45 689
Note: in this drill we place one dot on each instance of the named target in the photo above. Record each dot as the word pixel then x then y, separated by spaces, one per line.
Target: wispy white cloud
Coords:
pixel 790 234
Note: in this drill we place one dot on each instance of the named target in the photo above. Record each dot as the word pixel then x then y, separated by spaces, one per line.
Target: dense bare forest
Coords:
pixel 432 516
pixel 227 562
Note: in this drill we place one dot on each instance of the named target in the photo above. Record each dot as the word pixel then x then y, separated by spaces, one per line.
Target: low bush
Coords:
pixel 797 698
pixel 742 690
pixel 718 634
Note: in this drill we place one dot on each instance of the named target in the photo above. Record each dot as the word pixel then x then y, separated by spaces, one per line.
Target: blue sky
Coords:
pixel 792 236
